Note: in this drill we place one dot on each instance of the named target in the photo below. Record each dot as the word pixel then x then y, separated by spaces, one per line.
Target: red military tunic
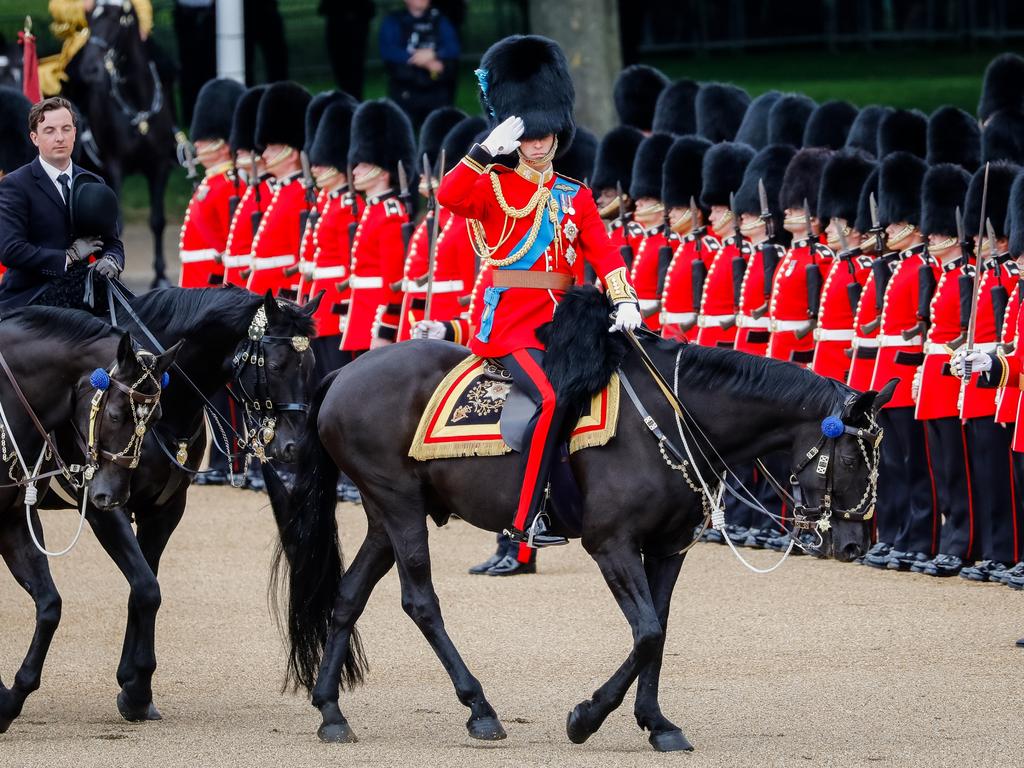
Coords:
pixel 1008 399
pixel 307 249
pixel 275 247
pixel 898 358
pixel 644 275
pixel 508 317
pixel 865 342
pixel 238 250
pixel 204 232
pixel 377 260
pixel 717 318
pixel 331 259
pixel 416 265
pixel 1006 373
pixel 789 308
pixel 752 333
pixel 939 389
pixel 677 306
pixel 835 332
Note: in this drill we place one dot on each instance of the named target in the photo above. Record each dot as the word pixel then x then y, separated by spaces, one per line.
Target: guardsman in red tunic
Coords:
pixel 613 170
pixel 695 248
pixel 204 232
pixel 536 230
pixel 841 185
pixel 722 175
pixel 256 194
pixel 868 316
pixel 649 263
pixel 381 138
pixel 281 130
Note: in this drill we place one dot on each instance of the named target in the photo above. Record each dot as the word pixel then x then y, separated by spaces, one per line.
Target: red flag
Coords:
pixel 30 64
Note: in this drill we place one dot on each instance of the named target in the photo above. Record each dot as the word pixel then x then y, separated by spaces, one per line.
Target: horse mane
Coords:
pixel 61 324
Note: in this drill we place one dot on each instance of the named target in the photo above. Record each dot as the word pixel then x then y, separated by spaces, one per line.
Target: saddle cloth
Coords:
pixel 467 415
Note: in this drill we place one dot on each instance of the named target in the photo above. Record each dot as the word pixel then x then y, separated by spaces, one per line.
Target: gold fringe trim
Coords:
pixel 598 437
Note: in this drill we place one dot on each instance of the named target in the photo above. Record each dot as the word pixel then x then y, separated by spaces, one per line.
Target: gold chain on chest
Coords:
pixel 540 203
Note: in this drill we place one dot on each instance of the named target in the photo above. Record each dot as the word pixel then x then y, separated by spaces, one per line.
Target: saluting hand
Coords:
pixel 505 137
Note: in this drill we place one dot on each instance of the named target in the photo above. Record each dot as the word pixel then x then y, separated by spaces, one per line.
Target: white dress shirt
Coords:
pixel 53 172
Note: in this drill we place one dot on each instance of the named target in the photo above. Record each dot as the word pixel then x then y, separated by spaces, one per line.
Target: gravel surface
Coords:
pixel 819 664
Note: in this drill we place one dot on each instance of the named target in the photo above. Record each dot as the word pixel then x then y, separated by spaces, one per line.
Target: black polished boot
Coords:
pixel 499 554
pixel 536 535
pixel 509 566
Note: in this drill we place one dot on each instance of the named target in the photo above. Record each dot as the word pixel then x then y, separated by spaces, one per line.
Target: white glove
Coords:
pixel 979 362
pixel 505 137
pixel 428 329
pixel 626 317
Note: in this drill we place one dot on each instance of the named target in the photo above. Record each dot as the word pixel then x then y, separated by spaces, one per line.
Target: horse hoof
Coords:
pixel 136 714
pixel 670 741
pixel 574 727
pixel 486 729
pixel 336 733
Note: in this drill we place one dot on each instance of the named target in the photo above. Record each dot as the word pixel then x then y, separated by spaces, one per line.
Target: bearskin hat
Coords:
pixel 636 92
pixel 432 133
pixel 1000 179
pixel 214 109
pixel 829 125
pixel 1003 86
pixel 16 149
pixel 841 184
pixel 333 133
pixel 681 178
pixel 243 121
pixel 459 140
pixel 1003 138
pixel 315 111
pixel 863 222
pixel 382 136
pixel 578 162
pixel 720 110
pixel 1015 216
pixel 615 156
pixel 676 110
pixel 528 76
pixel 769 165
pixel 94 208
pixel 788 118
pixel 942 194
pixel 803 179
pixel 903 130
pixel 899 188
pixel 864 131
pixel 754 128
pixel 647 169
pixel 281 117
pixel 722 172
pixel 954 137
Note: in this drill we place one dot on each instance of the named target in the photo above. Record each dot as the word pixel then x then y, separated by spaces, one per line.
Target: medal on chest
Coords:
pixel 570 230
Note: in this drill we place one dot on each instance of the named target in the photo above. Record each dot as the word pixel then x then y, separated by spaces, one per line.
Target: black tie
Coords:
pixel 65 188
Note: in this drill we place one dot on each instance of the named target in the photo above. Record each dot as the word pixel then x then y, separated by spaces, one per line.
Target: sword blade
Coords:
pixel 432 257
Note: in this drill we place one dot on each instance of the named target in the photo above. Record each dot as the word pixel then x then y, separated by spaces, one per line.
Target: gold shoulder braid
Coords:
pixel 539 203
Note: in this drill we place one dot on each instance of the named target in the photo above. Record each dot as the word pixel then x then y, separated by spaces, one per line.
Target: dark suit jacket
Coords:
pixel 35 231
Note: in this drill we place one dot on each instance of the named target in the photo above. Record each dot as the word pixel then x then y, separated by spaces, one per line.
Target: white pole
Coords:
pixel 230 40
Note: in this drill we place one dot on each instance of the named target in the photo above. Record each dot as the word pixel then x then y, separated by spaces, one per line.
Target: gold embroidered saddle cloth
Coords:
pixel 477 411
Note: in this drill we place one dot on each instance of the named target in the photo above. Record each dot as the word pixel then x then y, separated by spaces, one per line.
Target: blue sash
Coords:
pixel 563 192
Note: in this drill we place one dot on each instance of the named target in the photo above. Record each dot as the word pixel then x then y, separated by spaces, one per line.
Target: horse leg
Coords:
pixel 623 570
pixel 420 601
pixel 374 559
pixel 32 571
pixel 157 179
pixel 665 736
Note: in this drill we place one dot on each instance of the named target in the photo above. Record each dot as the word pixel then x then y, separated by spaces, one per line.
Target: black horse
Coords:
pixel 639 514
pixel 218 326
pixel 54 355
pixel 127 107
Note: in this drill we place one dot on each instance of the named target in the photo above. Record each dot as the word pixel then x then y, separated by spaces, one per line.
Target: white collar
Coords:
pixel 53 172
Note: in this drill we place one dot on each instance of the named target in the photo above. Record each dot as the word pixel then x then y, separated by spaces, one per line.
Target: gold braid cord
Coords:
pixel 540 203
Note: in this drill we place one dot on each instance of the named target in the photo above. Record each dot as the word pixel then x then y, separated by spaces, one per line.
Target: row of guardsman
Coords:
pixel 850 241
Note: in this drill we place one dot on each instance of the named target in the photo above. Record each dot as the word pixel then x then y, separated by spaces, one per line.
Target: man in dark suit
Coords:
pixel 38 243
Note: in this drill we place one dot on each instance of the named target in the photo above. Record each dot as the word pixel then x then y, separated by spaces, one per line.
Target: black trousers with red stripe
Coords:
pixel 998 525
pixel 543 433
pixel 947 445
pixel 906 497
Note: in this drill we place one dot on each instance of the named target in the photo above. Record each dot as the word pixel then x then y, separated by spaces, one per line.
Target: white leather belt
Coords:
pixel 203 254
pixel 237 261
pixel 366 282
pixel 861 343
pixel 270 262
pixel 788 325
pixel 833 334
pixel 897 340
pixel 713 321
pixel 746 321
pixel 646 305
pixel 306 267
pixel 932 348
pixel 440 286
pixel 329 273
pixel 678 318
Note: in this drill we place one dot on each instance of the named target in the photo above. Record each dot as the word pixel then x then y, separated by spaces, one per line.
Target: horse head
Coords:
pixel 114 40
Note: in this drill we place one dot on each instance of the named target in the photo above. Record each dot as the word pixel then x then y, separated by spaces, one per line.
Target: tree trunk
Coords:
pixel 588 31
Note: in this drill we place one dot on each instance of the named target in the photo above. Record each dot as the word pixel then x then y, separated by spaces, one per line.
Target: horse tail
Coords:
pixel 308 559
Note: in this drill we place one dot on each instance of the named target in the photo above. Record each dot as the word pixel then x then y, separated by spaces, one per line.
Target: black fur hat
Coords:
pixel 459 140
pixel 942 193
pixel 788 118
pixel 829 125
pixel 1015 216
pixel 636 92
pixel 214 109
pixel 647 170
pixel 903 130
pixel 899 188
pixel 94 208
pixel 676 108
pixel 1003 86
pixel 954 137
pixel 333 133
pixel 1000 179
pixel 315 111
pixel 243 121
pixel 1003 138
pixel 432 133
pixel 16 149
pixel 528 76
pixel 863 222
pixel 803 179
pixel 615 155
pixel 578 162
pixel 841 184
pixel 754 128
pixel 864 131
pixel 281 118
pixel 722 173
pixel 720 110
pixel 681 178
pixel 382 135
pixel 770 166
